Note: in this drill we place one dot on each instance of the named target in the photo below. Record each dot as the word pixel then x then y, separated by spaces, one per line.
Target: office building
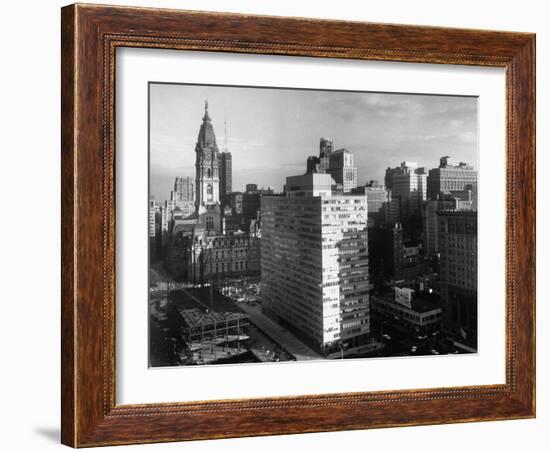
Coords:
pixel 339 164
pixel 226 177
pixel 251 201
pixel 456 200
pixel 235 201
pixel 458 276
pixel 378 199
pixel 342 169
pixel 184 190
pixel 451 177
pixel 410 187
pixel 386 250
pixel 314 261
pixel 417 309
pixel 326 147
pixel 154 210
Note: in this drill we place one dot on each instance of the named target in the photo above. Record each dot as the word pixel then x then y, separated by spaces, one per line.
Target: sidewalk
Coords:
pixel 278 334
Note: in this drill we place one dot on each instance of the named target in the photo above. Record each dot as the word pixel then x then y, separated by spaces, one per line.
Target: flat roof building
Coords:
pixel 419 309
pixel 314 260
pixel 449 177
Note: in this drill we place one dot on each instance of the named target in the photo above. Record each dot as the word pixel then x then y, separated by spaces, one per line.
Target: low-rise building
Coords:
pixel 419 309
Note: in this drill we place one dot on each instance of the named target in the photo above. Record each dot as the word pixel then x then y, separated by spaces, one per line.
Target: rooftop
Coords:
pixel 198 317
pixel 421 301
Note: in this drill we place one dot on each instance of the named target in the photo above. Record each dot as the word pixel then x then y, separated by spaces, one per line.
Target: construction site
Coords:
pixel 211 337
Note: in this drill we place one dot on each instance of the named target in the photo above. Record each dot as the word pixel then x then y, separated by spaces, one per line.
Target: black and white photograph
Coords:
pixel 297 224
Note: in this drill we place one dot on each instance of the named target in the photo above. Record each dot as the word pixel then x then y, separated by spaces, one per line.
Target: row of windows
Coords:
pixel 222 268
pixel 236 253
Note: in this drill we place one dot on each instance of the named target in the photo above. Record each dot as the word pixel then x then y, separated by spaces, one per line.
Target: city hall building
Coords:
pixel 314 263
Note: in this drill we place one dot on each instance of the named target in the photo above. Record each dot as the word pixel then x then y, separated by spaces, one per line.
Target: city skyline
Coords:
pixel 381 130
pixel 330 267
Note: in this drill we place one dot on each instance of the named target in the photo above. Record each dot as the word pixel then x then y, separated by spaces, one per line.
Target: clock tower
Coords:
pixel 207 175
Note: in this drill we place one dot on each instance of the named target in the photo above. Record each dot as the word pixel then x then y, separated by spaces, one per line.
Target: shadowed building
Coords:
pixel 251 201
pixel 458 276
pixel 456 200
pixel 326 147
pixel 378 198
pixel 226 178
pixel 386 250
pixel 408 185
pixel 235 201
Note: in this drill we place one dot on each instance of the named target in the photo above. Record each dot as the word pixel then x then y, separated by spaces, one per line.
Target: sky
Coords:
pixel 271 132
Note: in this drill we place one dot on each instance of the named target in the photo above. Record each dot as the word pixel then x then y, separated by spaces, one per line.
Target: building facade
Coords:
pixel 386 250
pixel 458 276
pixel 451 177
pixel 235 201
pixel 154 211
pixel 326 148
pixel 339 164
pixel 235 255
pixel 226 176
pixel 455 200
pixel 184 190
pixel 378 199
pixel 314 263
pixel 409 185
pixel 251 202
pixel 343 170
pixel 418 310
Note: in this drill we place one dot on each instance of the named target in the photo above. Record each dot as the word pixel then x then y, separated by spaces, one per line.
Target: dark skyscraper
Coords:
pixel 225 176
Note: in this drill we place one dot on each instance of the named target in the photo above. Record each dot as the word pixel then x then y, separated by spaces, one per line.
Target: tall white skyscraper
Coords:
pixel 315 263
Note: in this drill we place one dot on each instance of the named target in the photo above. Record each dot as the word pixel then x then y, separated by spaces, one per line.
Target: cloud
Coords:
pixel 271 132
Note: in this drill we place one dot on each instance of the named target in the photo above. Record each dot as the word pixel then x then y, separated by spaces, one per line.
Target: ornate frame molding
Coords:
pixel 90 37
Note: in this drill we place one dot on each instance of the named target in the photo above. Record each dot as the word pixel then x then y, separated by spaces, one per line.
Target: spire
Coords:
pixel 206 116
pixel 206 133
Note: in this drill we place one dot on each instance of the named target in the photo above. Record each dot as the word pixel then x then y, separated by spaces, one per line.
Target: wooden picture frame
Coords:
pixel 90 35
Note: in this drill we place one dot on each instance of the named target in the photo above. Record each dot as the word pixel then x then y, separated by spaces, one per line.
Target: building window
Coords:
pixel 209 224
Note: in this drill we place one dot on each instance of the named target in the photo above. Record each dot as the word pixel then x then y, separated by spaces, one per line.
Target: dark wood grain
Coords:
pixel 67 225
pixel 90 36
